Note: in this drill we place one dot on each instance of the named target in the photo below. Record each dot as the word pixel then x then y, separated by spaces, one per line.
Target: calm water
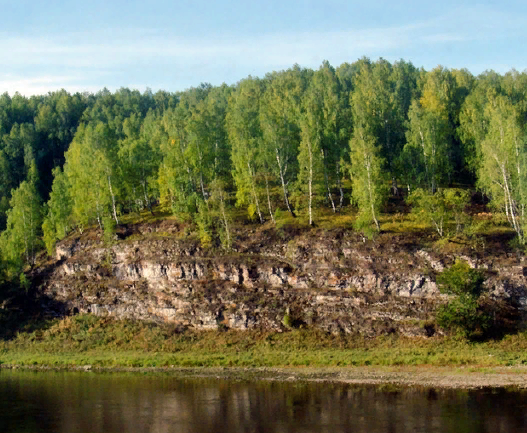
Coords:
pixel 89 402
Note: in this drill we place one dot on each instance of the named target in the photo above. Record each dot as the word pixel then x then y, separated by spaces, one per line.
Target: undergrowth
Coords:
pixel 87 339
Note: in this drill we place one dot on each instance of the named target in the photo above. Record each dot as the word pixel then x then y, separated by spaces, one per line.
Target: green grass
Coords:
pixel 105 342
pixel 403 223
pixel 145 217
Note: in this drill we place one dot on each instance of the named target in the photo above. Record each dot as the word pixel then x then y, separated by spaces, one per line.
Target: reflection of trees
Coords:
pixel 69 402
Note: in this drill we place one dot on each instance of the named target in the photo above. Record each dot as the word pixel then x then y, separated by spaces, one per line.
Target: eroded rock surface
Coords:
pixel 331 280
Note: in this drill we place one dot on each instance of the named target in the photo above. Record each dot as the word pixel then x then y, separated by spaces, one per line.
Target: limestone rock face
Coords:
pixel 332 281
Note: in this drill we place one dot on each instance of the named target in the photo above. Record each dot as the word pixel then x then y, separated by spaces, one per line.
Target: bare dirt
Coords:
pixel 422 376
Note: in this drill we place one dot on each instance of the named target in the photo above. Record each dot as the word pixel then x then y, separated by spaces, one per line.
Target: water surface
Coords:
pixel 129 403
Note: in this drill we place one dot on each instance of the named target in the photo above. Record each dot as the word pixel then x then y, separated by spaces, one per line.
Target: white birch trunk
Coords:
pixel 254 193
pixel 284 187
pixel 269 199
pixel 113 200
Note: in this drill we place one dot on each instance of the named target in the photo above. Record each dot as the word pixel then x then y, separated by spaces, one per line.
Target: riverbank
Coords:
pixel 87 342
pixel 384 377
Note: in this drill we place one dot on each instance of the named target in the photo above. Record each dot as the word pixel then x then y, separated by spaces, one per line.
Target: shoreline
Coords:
pixel 459 377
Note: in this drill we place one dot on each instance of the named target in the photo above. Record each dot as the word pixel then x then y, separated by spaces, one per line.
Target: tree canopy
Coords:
pixel 291 140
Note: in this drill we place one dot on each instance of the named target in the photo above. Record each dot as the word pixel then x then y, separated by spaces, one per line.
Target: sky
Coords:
pixel 173 45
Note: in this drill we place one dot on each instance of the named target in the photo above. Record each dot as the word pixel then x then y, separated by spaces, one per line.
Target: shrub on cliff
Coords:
pixel 463 314
pixel 461 280
pixel 443 209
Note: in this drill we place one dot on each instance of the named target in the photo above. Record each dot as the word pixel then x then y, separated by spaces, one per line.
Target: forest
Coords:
pixel 296 141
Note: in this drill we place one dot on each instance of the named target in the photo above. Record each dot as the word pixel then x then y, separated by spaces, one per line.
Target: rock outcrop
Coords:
pixel 331 280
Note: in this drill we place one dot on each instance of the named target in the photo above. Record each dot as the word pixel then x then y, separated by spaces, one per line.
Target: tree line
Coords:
pixel 288 141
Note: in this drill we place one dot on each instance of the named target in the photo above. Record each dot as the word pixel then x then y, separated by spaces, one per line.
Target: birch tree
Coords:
pixel 138 161
pixel 21 237
pixel 279 117
pixel 367 175
pixel 473 123
pixel 430 129
pixel 93 174
pixel 310 161
pixel 502 173
pixel 319 151
pixel 368 179
pixel 245 136
pixel 57 221
pixel 87 205
pixel 176 181
pixel 325 115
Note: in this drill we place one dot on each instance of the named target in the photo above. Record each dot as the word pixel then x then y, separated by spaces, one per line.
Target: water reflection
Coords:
pixel 85 402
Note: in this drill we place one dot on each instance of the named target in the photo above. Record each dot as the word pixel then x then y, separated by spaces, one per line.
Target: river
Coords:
pixel 128 403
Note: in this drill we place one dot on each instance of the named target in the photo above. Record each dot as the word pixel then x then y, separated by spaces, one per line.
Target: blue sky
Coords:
pixel 172 45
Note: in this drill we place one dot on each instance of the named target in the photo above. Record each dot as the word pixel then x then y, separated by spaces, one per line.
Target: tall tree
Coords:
pixel 279 117
pixel 57 221
pixel 176 182
pixel 429 133
pixel 208 150
pixel 139 160
pixel 93 174
pixel 21 237
pixel 503 172
pixel 320 147
pixel 245 136
pixel 473 124
pixel 369 118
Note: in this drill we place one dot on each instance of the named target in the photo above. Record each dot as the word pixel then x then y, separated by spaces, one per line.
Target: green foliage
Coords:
pixel 461 280
pixel 22 235
pixel 463 313
pixel 24 282
pixel 206 224
pixel 287 321
pixel 372 109
pixel 321 145
pixel 106 342
pixel 139 156
pixel 109 226
pixel 49 236
pixel 213 218
pixel 503 168
pixel 93 174
pixel 280 111
pixel 369 188
pixel 245 136
pixel 363 223
pixel 288 131
pixel 431 129
pixel 440 208
pixel 57 220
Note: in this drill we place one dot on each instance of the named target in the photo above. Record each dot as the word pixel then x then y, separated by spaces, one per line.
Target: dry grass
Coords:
pixel 102 342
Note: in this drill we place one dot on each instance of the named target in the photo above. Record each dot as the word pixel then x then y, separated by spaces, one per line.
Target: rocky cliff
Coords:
pixel 272 279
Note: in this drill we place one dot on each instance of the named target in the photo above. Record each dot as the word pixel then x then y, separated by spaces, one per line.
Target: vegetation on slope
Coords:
pixel 86 339
pixel 370 146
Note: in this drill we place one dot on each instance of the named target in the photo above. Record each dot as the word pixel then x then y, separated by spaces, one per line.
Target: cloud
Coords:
pixel 157 56
pixel 446 37
pixel 275 50
pixel 43 84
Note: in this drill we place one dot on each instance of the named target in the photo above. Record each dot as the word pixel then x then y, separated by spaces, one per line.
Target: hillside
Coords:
pixel 273 279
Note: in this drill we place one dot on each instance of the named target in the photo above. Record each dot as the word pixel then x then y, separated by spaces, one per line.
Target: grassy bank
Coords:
pixel 104 342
